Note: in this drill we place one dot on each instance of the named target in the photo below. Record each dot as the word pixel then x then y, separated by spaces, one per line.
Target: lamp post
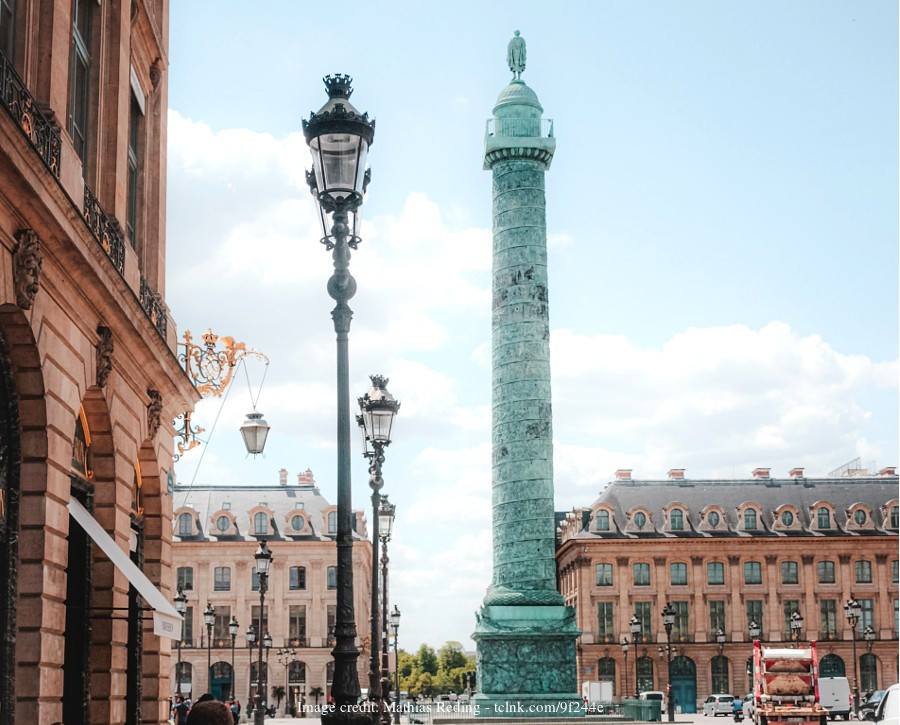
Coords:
pixel 754 629
pixel 339 138
pixel 385 526
pixel 377 410
pixel 232 630
pixel 720 640
pixel 181 608
pixel 251 640
pixel 625 646
pixel 267 643
pixel 286 657
pixel 263 561
pixel 209 618
pixel 853 612
pixel 869 636
pixel 796 627
pixel 395 625
pixel 635 625
pixel 668 617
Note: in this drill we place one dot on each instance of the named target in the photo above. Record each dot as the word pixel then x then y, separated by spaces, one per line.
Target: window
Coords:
pixel 605 630
pixel 297 673
pixel 863 572
pixel 221 635
pixel 185 525
pixel 297 625
pixel 332 522
pixel 331 619
pixel 640 519
pixel 859 516
pixel 261 629
pixel 297 523
pixel 787 518
pixel 895 565
pixel 680 629
pixel 641 575
pixel 184 578
pixel 750 519
pixel 823 518
pixel 715 572
pixel 644 674
pixel 602 520
pixel 606 671
pixel 134 170
pixel 187 631
pixel 867 615
pixel 868 681
pixel 222 579
pixel 226 506
pixel 825 571
pixel 332 577
pixel 223 523
pixel 828 617
pixel 297 577
pixel 790 572
pixel 7 35
pixel 755 614
pixel 645 618
pixel 604 575
pixel 678 573
pixel 260 523
pixel 716 619
pixel 752 572
pixel 254 580
pixel 80 100
pixel 713 518
pixel 895 515
pixel 789 606
pixel 719 669
pixel 676 520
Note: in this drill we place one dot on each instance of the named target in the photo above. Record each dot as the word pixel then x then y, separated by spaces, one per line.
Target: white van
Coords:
pixel 834 694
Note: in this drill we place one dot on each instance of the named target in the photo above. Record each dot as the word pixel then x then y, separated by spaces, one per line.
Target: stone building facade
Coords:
pixel 217 529
pixel 89 378
pixel 724 553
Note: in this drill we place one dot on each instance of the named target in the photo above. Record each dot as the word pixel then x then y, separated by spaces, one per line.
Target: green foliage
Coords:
pixel 451 656
pixel 425 673
pixel 278 693
pixel 427 659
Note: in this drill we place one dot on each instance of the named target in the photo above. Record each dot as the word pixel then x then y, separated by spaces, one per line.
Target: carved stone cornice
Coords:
pixel 104 354
pixel 881 558
pixel 27 263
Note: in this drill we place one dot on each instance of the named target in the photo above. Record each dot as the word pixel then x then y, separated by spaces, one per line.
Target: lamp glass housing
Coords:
pixel 263 559
pixel 254 431
pixel 385 519
pixel 209 616
pixel 251 634
pixel 267 641
pixel 180 602
pixel 395 617
pixel 233 627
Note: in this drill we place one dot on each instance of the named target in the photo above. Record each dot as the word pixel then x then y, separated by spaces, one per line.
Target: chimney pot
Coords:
pixel 623 474
pixel 761 472
pixel 888 471
pixel 796 473
pixel 282 477
pixel 676 474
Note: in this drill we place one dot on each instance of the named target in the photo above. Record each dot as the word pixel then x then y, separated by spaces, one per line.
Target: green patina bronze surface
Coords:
pixel 525 635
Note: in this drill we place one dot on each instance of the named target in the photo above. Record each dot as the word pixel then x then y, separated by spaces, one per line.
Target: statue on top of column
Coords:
pixel 515 55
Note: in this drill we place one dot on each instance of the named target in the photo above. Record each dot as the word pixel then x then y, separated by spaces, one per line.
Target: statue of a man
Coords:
pixel 515 55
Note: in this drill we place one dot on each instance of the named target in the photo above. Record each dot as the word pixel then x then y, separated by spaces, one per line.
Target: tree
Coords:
pixel 316 692
pixel 427 659
pixel 451 656
pixel 278 694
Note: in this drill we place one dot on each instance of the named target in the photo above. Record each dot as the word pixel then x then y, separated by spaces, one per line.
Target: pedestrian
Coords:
pixel 180 711
pixel 209 712
pixel 235 713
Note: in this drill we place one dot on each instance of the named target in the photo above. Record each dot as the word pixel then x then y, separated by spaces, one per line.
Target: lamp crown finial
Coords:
pixel 338 85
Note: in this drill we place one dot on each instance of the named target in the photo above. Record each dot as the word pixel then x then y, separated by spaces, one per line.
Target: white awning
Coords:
pixel 166 619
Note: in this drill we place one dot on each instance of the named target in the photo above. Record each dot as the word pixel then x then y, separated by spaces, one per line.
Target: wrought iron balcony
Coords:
pixel 519 127
pixel 296 641
pixel 153 307
pixel 106 230
pixel 21 106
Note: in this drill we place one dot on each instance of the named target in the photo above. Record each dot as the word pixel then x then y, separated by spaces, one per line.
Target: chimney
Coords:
pixel 676 474
pixel 761 472
pixel 282 477
pixel 306 478
pixel 889 471
pixel 796 473
pixel 623 474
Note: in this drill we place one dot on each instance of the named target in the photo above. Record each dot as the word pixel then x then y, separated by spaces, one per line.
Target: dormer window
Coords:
pixel 185 525
pixel 750 519
pixel 640 519
pixel 260 523
pixel 226 506
pixel 676 520
pixel 332 522
pixel 895 516
pixel 602 520
pixel 297 523
pixel 713 518
pixel 787 518
pixel 223 523
pixel 859 517
pixel 823 518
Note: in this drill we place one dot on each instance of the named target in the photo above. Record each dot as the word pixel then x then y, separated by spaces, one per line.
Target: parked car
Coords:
pixel 655 695
pixel 868 706
pixel 749 706
pixel 834 694
pixel 888 712
pixel 718 705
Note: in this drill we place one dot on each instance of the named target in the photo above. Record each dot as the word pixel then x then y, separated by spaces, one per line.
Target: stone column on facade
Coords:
pixel 525 634
pixel 883 613
pixel 772 624
pixel 733 610
pixel 808 606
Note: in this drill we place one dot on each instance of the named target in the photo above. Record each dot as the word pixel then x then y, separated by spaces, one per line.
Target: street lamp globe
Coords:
pixel 254 431
pixel 386 519
pixel 180 601
pixel 754 629
pixel 395 619
pixel 720 636
pixel 251 634
pixel 209 615
pixel 625 645
pixel 263 559
pixel 267 641
pixel 377 410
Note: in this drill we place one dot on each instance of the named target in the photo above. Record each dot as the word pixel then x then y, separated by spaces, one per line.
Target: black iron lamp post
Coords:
pixel 395 625
pixel 181 608
pixel 754 630
pixel 385 527
pixel 668 617
pixel 377 410
pixel 869 636
pixel 853 612
pixel 720 640
pixel 209 618
pixel 263 561
pixel 232 630
pixel 339 138
pixel 625 646
pixel 251 640
pixel 635 625
pixel 796 626
pixel 267 643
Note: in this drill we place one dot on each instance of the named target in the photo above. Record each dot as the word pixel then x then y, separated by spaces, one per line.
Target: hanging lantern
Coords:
pixel 254 431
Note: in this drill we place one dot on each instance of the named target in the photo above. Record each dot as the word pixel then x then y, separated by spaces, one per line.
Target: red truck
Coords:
pixel 786 685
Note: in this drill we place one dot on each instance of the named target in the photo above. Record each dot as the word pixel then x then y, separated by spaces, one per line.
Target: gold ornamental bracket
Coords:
pixel 211 366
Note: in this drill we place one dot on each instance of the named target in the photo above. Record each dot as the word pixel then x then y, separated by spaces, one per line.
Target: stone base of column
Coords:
pixel 526 662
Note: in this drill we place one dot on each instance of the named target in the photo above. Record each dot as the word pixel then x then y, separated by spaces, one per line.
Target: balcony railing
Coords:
pixel 521 127
pixel 106 230
pixel 20 104
pixel 296 642
pixel 153 307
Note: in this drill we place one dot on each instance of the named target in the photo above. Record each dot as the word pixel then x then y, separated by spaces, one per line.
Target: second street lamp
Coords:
pixel 720 640
pixel 251 640
pixel 395 625
pixel 853 612
pixel 635 625
pixel 181 608
pixel 625 653
pixel 385 526
pixel 232 630
pixel 796 626
pixel 209 618
pixel 263 559
pixel 668 617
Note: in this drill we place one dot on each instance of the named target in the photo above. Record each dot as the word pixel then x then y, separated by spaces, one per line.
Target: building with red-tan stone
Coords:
pixel 89 379
pixel 723 554
pixel 217 531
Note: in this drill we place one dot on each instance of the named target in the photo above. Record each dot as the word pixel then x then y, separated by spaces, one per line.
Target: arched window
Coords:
pixel 332 522
pixel 823 518
pixel 297 522
pixel 185 525
pixel 260 523
pixel 644 674
pixel 750 519
pixel 254 677
pixel 859 516
pixel 676 520
pixel 868 678
pixel 752 572
pixel 831 666
pixel 719 669
pixel 184 675
pixel 640 519
pixel 606 671
pixel 297 672
pixel 602 521
pixel 223 523
pixel 787 518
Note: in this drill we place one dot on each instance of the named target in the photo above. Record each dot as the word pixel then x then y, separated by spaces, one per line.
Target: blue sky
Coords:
pixel 722 218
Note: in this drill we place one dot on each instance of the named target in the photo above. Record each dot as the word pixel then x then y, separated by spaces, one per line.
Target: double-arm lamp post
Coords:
pixel 339 138
pixel 263 559
pixel 853 612
pixel 668 617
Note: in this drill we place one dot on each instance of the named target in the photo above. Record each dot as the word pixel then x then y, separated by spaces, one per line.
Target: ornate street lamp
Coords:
pixel 254 432
pixel 232 630
pixel 267 643
pixel 668 617
pixel 869 636
pixel 251 640
pixel 339 138
pixel 754 630
pixel 625 646
pixel 209 618
pixel 853 612
pixel 376 417
pixel 395 625
pixel 385 527
pixel 636 636
pixel 720 640
pixel 263 559
pixel 181 608
pixel 796 626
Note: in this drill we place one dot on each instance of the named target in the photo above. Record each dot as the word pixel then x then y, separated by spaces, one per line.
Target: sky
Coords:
pixel 722 215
